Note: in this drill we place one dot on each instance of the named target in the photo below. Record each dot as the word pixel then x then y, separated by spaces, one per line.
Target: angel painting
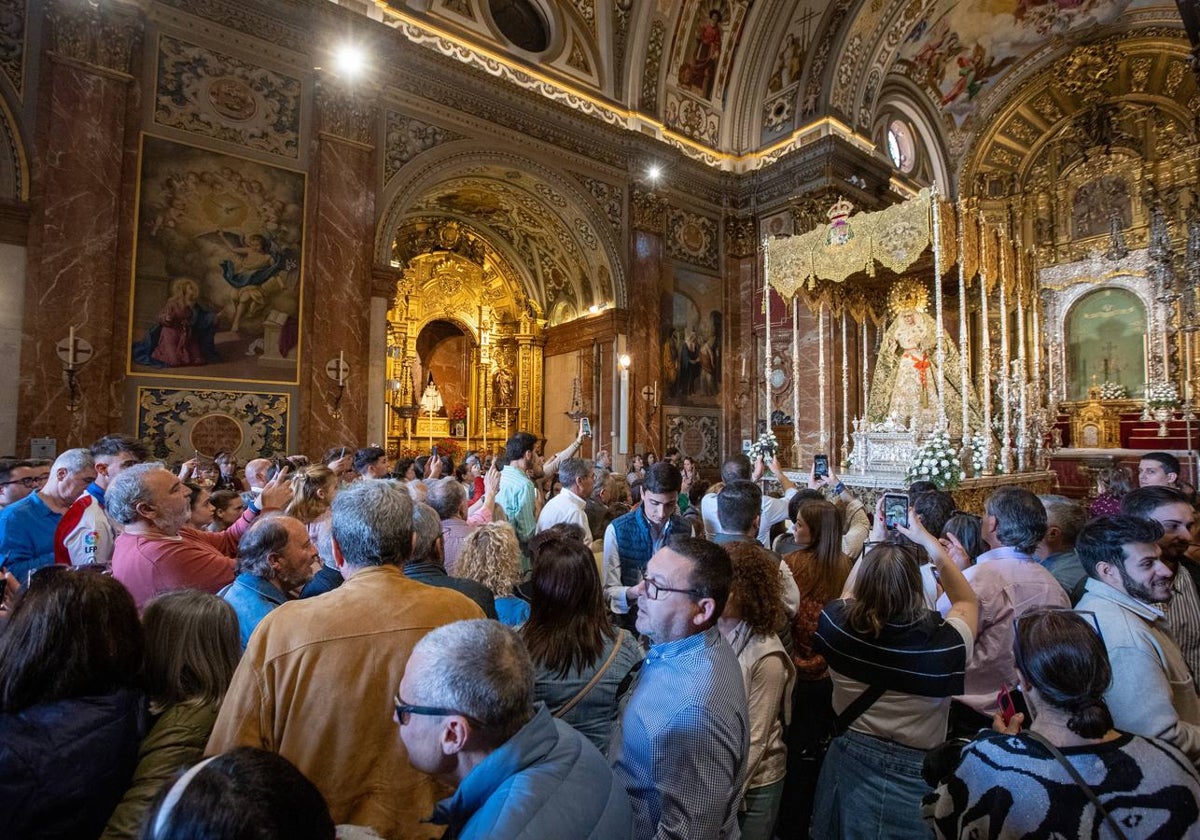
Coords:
pixel 973 71
pixel 254 264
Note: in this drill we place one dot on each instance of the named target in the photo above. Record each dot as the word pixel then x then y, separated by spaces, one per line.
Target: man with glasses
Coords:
pixel 317 678
pixel 17 480
pixel 27 527
pixel 1152 692
pixel 681 742
pixel 86 533
pixel 467 717
pixel 631 540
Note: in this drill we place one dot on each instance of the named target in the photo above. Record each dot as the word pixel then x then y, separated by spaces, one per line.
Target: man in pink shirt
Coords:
pixel 1008 582
pixel 156 553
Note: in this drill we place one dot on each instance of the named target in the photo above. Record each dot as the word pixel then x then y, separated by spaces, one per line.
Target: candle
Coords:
pixel 341 367
pixel 1145 358
pixel 71 349
pixel 743 367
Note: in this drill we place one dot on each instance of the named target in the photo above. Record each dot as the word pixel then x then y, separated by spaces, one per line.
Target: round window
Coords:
pixel 900 146
pixel 522 23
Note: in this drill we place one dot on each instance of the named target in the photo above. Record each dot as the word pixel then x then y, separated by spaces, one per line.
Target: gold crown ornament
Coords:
pixel 906 296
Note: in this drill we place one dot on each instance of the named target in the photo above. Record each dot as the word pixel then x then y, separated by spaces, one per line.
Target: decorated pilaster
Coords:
pixel 646 298
pixel 77 198
pixel 339 292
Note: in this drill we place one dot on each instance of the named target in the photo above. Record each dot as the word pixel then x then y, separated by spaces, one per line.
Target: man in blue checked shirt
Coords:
pixel 681 742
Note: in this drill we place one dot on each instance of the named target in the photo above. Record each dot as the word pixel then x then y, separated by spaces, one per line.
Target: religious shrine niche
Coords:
pixel 464 343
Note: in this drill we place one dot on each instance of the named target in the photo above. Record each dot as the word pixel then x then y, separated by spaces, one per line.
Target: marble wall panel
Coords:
pixel 72 264
pixel 649 292
pixel 340 294
pixel 12 290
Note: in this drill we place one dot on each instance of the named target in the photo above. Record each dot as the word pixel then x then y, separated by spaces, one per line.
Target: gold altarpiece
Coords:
pixel 457 282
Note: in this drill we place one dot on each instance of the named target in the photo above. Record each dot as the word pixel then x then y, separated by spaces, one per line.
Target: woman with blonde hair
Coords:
pixel 313 489
pixel 819 568
pixel 750 621
pixel 192 649
pixel 492 556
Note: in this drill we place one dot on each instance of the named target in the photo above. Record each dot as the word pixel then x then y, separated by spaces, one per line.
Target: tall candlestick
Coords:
pixel 964 340
pixel 824 437
pixel 985 362
pixel 935 203
pixel 845 392
pixel 767 338
pixel 795 377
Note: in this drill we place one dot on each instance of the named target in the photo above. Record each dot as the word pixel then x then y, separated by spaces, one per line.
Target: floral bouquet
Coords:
pixel 1113 391
pixel 978 443
pixel 1161 395
pixel 765 447
pixel 936 461
pixel 459 412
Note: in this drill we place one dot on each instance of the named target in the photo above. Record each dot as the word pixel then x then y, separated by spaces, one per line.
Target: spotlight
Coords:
pixel 350 60
pixel 654 172
pixel 625 361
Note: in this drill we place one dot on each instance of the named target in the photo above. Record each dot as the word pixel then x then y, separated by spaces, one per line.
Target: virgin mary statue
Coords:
pixel 905 385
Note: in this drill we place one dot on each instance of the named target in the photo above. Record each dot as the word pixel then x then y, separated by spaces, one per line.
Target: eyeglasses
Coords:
pixel 404 712
pixel 655 591
pixel 29 481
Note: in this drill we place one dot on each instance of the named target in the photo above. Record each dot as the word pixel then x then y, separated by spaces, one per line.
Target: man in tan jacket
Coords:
pixel 317 681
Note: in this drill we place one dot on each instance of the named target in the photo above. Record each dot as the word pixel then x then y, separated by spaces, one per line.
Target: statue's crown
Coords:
pixel 907 295
pixel 840 210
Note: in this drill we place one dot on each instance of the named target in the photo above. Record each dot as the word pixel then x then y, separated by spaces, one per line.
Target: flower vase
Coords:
pixel 1162 415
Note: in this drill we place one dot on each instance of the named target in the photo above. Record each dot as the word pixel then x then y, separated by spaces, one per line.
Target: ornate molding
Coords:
pixel 741 237
pixel 406 137
pixel 94 37
pixel 649 212
pixel 384 282
pixel 346 115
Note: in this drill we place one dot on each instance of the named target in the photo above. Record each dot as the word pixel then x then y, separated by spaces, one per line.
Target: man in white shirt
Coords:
pixel 577 478
pixel 737 468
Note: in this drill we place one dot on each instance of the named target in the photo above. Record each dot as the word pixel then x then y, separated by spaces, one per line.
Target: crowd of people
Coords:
pixel 525 647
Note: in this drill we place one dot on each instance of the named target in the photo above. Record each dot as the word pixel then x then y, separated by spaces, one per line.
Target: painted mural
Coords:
pixel 222 97
pixel 1106 330
pixel 961 46
pixel 179 423
pixel 705 41
pixel 216 287
pixel 692 347
pixel 779 107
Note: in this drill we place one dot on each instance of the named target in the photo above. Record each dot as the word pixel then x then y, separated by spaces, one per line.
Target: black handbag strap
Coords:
pixel 856 709
pixel 1091 794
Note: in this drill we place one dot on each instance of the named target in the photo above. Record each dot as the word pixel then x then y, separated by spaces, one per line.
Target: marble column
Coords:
pixel 77 196
pixel 646 296
pixel 339 289
pixel 742 277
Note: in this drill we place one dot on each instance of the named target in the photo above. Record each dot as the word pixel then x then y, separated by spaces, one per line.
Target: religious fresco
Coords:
pixel 1105 332
pixel 692 345
pixel 177 423
pixel 215 95
pixel 706 37
pixel 217 267
pixel 779 107
pixel 960 46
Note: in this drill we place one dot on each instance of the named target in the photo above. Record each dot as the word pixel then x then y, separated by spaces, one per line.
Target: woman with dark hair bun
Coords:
pixel 580 660
pixel 1070 774
pixel 71 716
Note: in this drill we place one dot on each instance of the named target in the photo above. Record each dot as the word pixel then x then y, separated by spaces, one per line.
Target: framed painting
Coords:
pixel 692 341
pixel 217 266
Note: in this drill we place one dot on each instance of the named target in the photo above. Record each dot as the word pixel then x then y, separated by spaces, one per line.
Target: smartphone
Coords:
pixel 821 466
pixel 895 510
pixel 1007 707
pixel 433 453
pixel 587 427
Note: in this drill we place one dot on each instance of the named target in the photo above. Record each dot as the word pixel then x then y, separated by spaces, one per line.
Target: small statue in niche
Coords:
pixel 502 388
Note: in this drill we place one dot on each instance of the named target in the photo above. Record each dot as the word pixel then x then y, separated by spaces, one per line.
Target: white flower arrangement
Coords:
pixel 1113 391
pixel 1161 395
pixel 765 447
pixel 978 443
pixel 936 461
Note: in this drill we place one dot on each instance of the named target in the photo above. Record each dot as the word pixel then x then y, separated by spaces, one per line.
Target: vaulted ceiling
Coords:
pixel 737 83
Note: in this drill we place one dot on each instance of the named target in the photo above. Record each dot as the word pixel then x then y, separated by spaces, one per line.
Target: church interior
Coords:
pixel 874 229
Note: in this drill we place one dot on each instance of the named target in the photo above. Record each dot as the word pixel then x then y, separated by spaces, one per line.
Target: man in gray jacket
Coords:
pixel 1152 693
pixel 467 717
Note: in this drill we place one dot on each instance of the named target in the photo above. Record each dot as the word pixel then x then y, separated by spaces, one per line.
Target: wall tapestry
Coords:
pixel 216 286
pixel 222 97
pixel 177 424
